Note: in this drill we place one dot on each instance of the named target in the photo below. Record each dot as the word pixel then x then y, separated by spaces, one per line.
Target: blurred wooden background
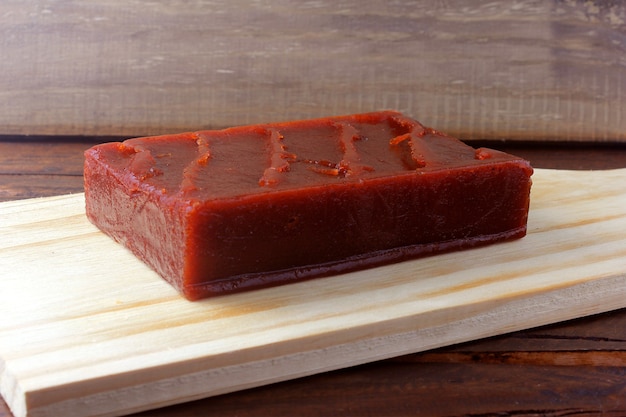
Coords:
pixel 524 70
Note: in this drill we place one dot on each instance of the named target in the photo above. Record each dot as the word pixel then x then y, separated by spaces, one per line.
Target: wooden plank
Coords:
pixel 45 157
pixel 87 329
pixel 13 187
pixel 501 69
pixel 43 166
pixel 481 389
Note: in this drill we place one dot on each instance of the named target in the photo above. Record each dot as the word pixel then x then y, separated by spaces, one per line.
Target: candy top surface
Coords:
pixel 249 160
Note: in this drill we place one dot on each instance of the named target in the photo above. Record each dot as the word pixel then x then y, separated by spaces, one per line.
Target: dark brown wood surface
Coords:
pixel 573 368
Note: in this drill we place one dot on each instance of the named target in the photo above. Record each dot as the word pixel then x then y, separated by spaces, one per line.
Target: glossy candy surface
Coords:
pixel 215 212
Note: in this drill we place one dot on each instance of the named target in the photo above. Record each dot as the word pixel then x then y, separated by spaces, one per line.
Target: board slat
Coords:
pixel 523 69
pixel 87 329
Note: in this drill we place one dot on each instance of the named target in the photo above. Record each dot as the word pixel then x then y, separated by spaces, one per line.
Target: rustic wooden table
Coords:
pixel 577 367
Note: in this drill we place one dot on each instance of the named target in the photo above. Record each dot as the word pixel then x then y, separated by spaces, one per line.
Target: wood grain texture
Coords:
pixel 471 389
pixel 107 338
pixel 518 69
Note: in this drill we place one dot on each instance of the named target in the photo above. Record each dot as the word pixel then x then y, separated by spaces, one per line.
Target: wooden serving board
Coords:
pixel 87 330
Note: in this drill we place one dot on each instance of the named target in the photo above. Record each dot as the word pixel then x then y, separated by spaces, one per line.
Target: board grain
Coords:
pixel 517 69
pixel 87 330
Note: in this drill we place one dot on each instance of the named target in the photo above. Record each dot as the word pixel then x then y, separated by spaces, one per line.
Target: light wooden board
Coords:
pixel 87 330
pixel 516 69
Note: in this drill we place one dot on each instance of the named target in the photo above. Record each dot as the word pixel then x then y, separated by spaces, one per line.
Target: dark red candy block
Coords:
pixel 215 212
